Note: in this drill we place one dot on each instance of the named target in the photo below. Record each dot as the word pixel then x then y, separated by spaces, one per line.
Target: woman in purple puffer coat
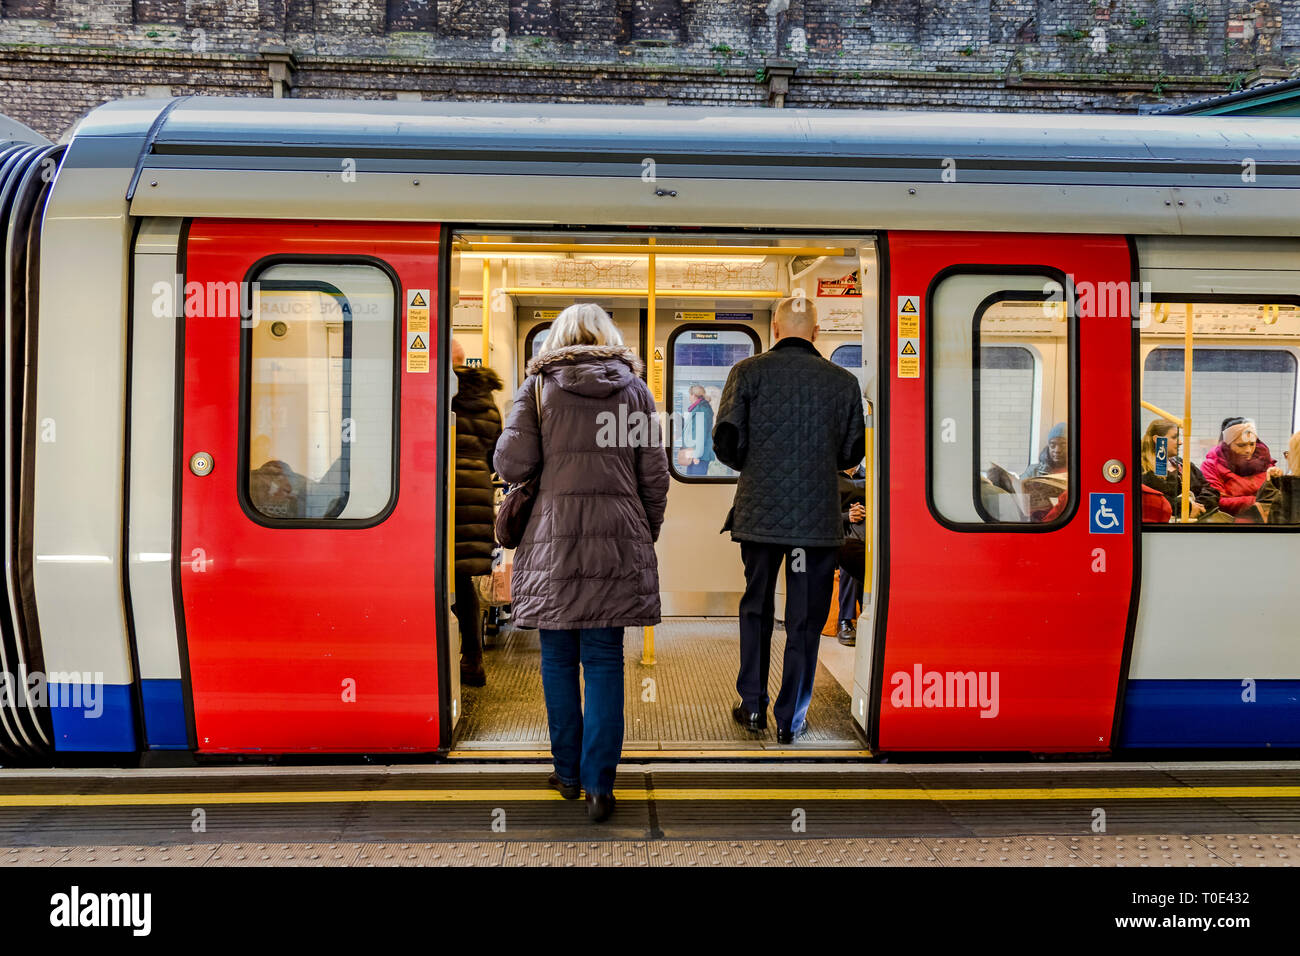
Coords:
pixel 586 567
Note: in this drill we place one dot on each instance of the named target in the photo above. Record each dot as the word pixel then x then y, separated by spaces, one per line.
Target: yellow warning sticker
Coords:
pixel 417 310
pixel 909 316
pixel 546 314
pixel 909 358
pixel 417 351
pixel 694 316
pixel 657 377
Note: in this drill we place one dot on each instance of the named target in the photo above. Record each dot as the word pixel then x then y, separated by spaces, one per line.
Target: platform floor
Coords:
pixel 683 701
pixel 671 813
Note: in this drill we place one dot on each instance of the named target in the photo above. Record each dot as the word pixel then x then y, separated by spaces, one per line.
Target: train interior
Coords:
pixel 691 306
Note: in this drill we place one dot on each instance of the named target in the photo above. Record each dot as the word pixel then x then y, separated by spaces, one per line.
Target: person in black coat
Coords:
pixel 853 555
pixel 478 426
pixel 788 421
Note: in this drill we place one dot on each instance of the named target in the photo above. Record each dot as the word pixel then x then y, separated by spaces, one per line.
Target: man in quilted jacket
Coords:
pixel 789 421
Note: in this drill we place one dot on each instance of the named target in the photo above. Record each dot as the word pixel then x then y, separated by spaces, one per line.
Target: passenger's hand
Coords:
pixel 1275 472
pixel 1197 509
pixel 857 513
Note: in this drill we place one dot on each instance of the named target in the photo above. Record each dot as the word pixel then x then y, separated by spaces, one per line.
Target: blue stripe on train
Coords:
pixel 164 715
pixel 1211 713
pixel 97 717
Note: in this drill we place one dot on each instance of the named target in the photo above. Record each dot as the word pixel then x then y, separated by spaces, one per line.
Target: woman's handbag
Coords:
pixel 512 517
pixel 493 588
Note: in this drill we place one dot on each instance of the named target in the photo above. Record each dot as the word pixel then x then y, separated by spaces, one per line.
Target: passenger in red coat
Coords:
pixel 1156 508
pixel 1238 465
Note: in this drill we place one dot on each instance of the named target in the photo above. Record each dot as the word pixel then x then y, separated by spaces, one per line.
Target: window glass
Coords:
pixel 1244 373
pixel 848 356
pixel 538 339
pixel 320 393
pixel 1001 395
pixel 699 363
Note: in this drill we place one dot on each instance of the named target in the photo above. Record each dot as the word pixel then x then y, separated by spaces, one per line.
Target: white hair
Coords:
pixel 584 323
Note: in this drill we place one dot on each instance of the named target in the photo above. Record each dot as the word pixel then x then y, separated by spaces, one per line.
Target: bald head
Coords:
pixel 457 353
pixel 795 318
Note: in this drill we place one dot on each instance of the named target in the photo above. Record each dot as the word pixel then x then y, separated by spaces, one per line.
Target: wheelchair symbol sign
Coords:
pixel 1162 456
pixel 1106 513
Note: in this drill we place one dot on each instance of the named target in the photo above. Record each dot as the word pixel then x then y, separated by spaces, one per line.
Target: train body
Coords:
pixel 228 478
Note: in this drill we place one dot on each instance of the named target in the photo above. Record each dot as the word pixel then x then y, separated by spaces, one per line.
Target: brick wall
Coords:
pixel 59 58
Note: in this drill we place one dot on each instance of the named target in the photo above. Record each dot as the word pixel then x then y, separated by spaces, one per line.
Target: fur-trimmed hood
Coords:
pixel 592 370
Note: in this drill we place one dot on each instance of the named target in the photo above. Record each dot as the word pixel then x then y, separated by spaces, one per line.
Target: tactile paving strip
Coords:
pixel 690 700
pixel 1168 850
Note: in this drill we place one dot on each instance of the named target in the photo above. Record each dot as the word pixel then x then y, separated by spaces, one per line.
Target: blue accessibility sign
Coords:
pixel 1106 513
pixel 1162 456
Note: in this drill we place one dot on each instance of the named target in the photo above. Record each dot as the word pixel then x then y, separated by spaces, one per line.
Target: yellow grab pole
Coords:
pixel 648 633
pixel 1167 416
pixel 643 293
pixel 1187 413
pixel 869 467
pixel 487 315
pixel 633 249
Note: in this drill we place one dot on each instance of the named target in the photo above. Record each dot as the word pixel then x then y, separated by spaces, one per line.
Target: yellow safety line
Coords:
pixel 17 800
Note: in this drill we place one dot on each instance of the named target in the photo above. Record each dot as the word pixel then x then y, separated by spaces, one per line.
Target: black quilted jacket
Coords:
pixel 478 425
pixel 789 421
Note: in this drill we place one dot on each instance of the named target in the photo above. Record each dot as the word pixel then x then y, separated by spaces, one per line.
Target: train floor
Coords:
pixel 681 703
pixel 668 814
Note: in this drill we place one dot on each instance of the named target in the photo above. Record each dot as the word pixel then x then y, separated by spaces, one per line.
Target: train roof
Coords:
pixel 501 153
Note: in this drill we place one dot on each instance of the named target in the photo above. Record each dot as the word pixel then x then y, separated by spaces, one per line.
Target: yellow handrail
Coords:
pixel 651 249
pixel 643 293
pixel 648 632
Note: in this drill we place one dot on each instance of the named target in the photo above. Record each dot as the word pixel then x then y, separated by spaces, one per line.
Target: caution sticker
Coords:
pixel 909 358
pixel 694 316
pixel 417 351
pixel 909 316
pixel 657 376
pixel 546 314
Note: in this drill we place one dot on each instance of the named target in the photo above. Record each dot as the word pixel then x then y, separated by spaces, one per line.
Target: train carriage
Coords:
pixel 227 395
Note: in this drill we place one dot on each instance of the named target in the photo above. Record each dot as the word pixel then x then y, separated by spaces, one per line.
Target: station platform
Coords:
pixel 668 814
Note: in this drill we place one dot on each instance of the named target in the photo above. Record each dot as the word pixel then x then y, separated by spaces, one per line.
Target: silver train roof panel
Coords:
pixel 510 144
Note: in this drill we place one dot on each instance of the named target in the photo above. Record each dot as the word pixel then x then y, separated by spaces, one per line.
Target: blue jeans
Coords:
pixel 586 750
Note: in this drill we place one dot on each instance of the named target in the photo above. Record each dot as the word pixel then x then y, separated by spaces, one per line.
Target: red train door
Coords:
pixel 1013 497
pixel 309 544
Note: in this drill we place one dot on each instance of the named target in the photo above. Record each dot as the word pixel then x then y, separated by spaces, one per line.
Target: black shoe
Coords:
pixel 599 806
pixel 473 678
pixel 569 791
pixel 847 636
pixel 789 736
pixel 755 723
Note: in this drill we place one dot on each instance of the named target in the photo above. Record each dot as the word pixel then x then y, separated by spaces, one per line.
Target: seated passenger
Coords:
pixel 1203 497
pixel 1156 508
pixel 1279 496
pixel 1238 466
pixel 1054 458
pixel 277 491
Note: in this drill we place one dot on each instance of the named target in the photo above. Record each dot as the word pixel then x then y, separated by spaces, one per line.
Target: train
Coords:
pixel 228 431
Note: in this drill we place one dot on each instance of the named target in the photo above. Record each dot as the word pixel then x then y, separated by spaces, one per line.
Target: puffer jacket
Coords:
pixel 788 421
pixel 1237 485
pixel 478 425
pixel 587 558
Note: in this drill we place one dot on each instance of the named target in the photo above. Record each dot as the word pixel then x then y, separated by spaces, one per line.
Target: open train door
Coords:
pixel 311 552
pixel 1011 493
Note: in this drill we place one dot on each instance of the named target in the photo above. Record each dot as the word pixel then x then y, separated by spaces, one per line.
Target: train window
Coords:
pixel 700 357
pixel 1001 393
pixel 848 356
pixel 1243 416
pixel 534 341
pixel 319 382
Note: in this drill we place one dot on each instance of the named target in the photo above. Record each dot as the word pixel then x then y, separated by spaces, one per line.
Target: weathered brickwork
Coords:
pixel 59 58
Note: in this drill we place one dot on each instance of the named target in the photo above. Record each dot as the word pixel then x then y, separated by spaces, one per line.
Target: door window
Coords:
pixel 700 358
pixel 1001 437
pixel 320 389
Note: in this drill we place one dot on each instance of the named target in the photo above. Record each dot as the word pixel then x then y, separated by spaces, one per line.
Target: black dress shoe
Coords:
pixel 847 636
pixel 789 736
pixel 569 791
pixel 599 806
pixel 755 723
pixel 473 676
